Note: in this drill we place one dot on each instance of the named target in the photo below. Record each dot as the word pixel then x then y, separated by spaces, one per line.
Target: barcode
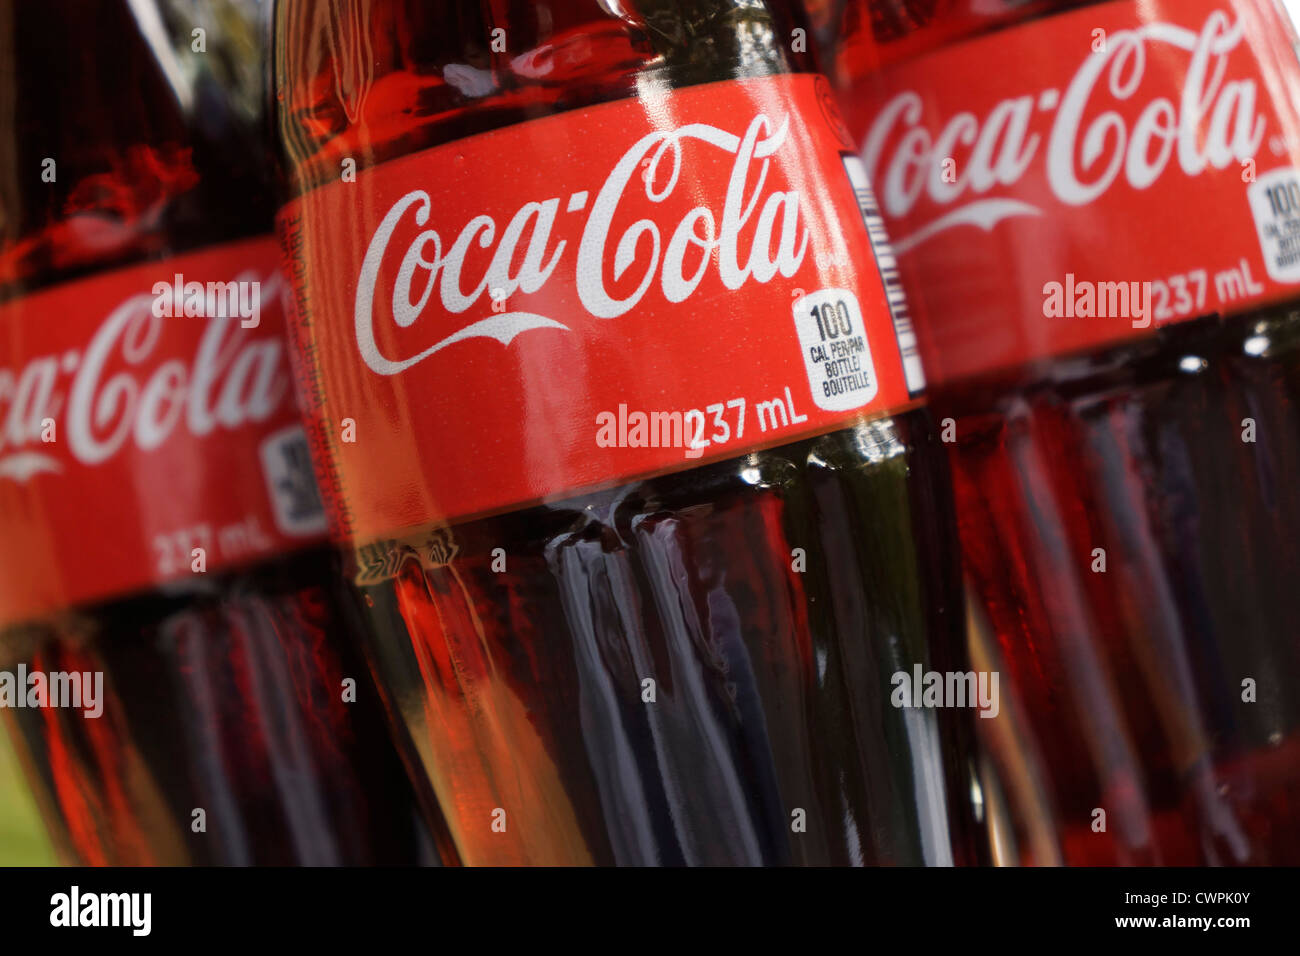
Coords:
pixel 295 500
pixel 888 266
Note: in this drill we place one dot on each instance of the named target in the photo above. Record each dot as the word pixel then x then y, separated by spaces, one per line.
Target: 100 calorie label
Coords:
pixel 836 353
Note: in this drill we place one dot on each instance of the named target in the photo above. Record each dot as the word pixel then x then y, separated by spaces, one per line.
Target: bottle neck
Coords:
pixel 399 82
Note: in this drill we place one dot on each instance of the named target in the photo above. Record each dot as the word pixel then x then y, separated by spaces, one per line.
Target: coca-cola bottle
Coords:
pixel 177 668
pixel 626 453
pixel 1096 209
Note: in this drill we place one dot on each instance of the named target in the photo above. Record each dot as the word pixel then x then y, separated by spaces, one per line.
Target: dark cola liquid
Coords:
pixel 1131 680
pixel 525 688
pixel 771 685
pixel 224 697
pixel 223 692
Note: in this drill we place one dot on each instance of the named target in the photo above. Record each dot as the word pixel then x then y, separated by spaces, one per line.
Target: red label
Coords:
pixel 1138 166
pixel 146 413
pixel 587 298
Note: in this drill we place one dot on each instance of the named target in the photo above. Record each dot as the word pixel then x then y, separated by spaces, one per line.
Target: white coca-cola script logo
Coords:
pixel 1212 123
pixel 652 166
pixel 120 389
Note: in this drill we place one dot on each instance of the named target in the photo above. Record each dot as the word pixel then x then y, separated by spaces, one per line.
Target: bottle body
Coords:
pixel 1118 491
pixel 607 652
pixel 177 665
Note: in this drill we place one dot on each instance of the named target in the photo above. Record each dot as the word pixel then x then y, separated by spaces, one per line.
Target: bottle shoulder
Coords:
pixel 417 75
